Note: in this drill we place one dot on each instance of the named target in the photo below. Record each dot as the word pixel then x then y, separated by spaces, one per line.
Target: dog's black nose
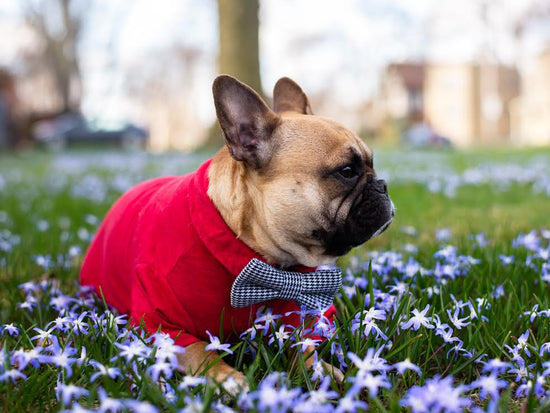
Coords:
pixel 381 186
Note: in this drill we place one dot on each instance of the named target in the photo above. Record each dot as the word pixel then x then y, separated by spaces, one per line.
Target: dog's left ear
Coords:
pixel 289 97
pixel 247 122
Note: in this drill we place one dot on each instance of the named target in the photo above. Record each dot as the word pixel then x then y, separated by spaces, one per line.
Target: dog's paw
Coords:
pixel 334 372
pixel 235 384
pixel 321 368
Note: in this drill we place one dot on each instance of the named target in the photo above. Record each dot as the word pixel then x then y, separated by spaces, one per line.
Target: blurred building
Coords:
pixel 531 110
pixel 467 103
pixel 401 91
pixel 470 104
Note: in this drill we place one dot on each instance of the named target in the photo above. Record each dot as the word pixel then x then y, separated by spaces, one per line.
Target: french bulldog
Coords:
pixel 289 188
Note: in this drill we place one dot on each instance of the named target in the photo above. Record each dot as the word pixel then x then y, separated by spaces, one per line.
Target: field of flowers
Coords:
pixel 447 311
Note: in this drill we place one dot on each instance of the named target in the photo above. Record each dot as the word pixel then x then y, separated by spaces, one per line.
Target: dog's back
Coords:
pixel 110 261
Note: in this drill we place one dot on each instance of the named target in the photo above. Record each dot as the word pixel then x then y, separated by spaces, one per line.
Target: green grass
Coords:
pixel 44 204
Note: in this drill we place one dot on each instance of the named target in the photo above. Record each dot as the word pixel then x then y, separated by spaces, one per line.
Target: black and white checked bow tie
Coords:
pixel 259 282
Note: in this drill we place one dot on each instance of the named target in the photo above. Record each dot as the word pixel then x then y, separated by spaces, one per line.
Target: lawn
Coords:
pixel 447 311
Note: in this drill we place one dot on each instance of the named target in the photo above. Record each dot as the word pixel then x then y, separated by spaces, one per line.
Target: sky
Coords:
pixel 337 47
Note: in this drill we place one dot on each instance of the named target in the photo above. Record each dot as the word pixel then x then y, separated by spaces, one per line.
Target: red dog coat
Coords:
pixel 165 255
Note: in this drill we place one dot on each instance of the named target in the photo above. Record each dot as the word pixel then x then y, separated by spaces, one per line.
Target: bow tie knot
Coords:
pixel 259 281
pixel 291 285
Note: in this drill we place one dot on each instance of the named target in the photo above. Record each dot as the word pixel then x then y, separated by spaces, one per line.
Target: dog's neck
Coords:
pixel 230 191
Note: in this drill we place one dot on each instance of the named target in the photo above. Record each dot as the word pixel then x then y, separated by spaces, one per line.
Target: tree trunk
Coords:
pixel 60 47
pixel 238 53
pixel 239 48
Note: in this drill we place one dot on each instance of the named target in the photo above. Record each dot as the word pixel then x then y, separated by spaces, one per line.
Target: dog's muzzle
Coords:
pixel 370 215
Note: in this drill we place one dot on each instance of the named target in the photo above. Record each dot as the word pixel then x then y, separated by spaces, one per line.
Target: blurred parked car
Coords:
pixel 72 129
pixel 423 135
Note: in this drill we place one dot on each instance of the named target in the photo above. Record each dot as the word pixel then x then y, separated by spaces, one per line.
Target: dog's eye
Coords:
pixel 347 172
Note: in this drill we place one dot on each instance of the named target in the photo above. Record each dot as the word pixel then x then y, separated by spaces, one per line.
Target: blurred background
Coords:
pixel 138 74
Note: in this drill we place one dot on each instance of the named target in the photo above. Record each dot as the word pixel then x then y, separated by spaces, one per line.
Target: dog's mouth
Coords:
pixel 367 221
pixel 386 224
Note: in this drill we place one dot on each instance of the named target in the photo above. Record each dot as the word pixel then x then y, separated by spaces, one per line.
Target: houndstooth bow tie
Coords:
pixel 259 282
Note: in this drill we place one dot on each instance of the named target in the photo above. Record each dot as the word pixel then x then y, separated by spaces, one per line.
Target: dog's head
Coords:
pixel 310 189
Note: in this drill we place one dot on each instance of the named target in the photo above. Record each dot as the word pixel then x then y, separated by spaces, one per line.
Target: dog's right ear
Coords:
pixel 246 121
pixel 289 97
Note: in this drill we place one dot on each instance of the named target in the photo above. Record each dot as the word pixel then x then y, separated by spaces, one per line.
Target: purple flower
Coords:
pixel 266 320
pixel 272 395
pixel 134 349
pixel 544 348
pixel 250 333
pixel 317 368
pixel 79 326
pixel 409 230
pixel 437 395
pixel 522 343
pixel 444 331
pixel 409 248
pixel 138 406
pixel 216 345
pixel 371 362
pixel 61 302
pixel 43 335
pixel 12 375
pixel 77 408
pixel 67 392
pixel 489 385
pixel 522 371
pixel 10 329
pixel 166 348
pixel 316 400
pixel 525 389
pixel 191 381
pixel 496 366
pixel 367 380
pixel 348 404
pixel 108 404
pixel 410 269
pixel 61 324
pixel 60 357
pixel 28 287
pixel 22 358
pixel 324 327
pixel 405 365
pixel 481 240
pixel 505 259
pixel 306 342
pixel 336 350
pixel 459 323
pixel 29 304
pixel 365 322
pixel 529 241
pixel 497 291
pixel 160 368
pixel 459 348
pixel 447 253
pixel 193 404
pixel 545 272
pixel 543 254
pixel 3 358
pixel 418 319
pixel 443 235
pixel 280 335
pixel 102 370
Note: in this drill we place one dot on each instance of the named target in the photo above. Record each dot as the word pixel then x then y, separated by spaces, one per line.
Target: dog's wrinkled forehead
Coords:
pixel 331 141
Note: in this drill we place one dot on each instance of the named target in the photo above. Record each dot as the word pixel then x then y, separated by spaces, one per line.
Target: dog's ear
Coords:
pixel 288 96
pixel 246 121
